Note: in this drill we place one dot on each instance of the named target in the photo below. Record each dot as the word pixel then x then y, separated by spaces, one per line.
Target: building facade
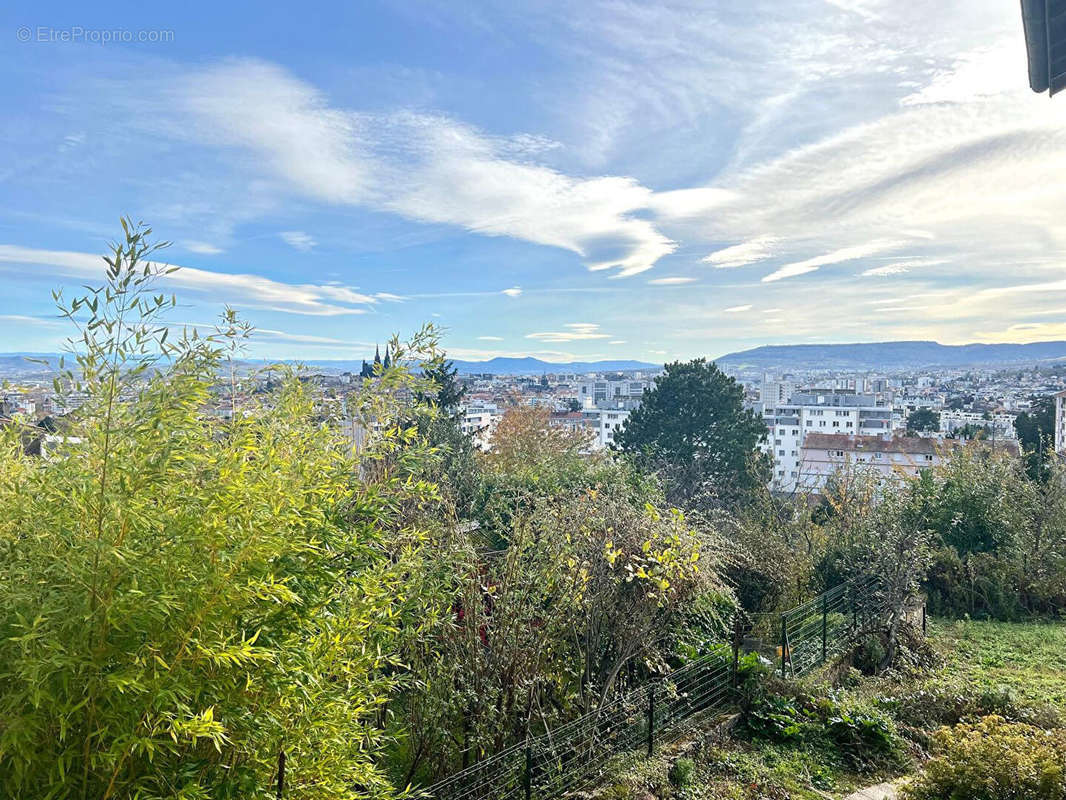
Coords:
pixel 886 457
pixel 824 413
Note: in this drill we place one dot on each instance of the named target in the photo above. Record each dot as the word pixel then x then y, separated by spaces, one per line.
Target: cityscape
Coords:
pixel 857 417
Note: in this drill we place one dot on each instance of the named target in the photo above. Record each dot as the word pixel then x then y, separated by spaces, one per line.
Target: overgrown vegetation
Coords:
pixel 185 598
pixel 191 596
pixel 939 713
pixel 992 759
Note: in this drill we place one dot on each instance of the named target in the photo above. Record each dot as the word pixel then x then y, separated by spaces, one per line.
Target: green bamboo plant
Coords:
pixel 184 599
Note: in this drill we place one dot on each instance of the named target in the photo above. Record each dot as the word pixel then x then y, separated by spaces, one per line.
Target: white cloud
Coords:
pixel 617 341
pixel 900 267
pixel 1025 332
pixel 235 289
pixel 683 203
pixel 554 356
pixel 836 257
pixel 670 281
pixel 578 331
pixel 304 338
pixel 742 254
pixel 298 240
pixel 514 291
pixel 887 269
pixel 737 309
pixel 491 338
pixel 202 248
pixel 23 319
pixel 425 167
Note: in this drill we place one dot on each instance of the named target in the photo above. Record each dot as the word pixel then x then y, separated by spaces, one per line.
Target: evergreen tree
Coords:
pixel 1036 434
pixel 923 419
pixel 449 391
pixel 693 430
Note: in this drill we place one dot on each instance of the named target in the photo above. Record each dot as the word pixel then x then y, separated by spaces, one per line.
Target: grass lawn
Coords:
pixel 1029 658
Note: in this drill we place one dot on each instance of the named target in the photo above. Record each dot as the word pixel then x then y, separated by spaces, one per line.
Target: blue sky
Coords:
pixel 567 180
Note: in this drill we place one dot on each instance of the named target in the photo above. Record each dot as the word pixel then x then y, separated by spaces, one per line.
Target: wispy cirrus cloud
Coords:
pixel 836 257
pixel 238 289
pixel 901 267
pixel 426 167
pixel 202 248
pixel 298 240
pixel 740 255
pixel 576 332
pixel 671 281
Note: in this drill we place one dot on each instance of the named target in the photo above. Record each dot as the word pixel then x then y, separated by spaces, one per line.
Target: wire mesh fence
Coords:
pixel 575 754
pixel 811 633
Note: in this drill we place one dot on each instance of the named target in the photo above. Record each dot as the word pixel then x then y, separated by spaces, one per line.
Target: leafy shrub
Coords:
pixel 183 597
pixel 773 717
pixel 869 655
pixel 860 733
pixel 682 772
pixel 994 759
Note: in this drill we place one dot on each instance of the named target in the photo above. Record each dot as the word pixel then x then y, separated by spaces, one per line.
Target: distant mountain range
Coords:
pixel 514 366
pixel 860 356
pixel 893 355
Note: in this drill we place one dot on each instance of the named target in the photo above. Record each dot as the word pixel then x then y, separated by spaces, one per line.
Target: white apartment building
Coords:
pixel 59 405
pixel 15 403
pixel 1001 423
pixel 837 412
pixel 887 456
pixel 608 423
pixel 600 424
pixel 592 394
pixel 479 422
pixel 775 391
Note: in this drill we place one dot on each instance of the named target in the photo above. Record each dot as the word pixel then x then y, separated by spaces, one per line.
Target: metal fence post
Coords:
pixel 736 649
pixel 281 773
pixel 651 720
pixel 825 627
pixel 784 644
pixel 527 776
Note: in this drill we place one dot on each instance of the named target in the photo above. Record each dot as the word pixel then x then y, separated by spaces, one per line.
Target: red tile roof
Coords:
pixel 908 445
